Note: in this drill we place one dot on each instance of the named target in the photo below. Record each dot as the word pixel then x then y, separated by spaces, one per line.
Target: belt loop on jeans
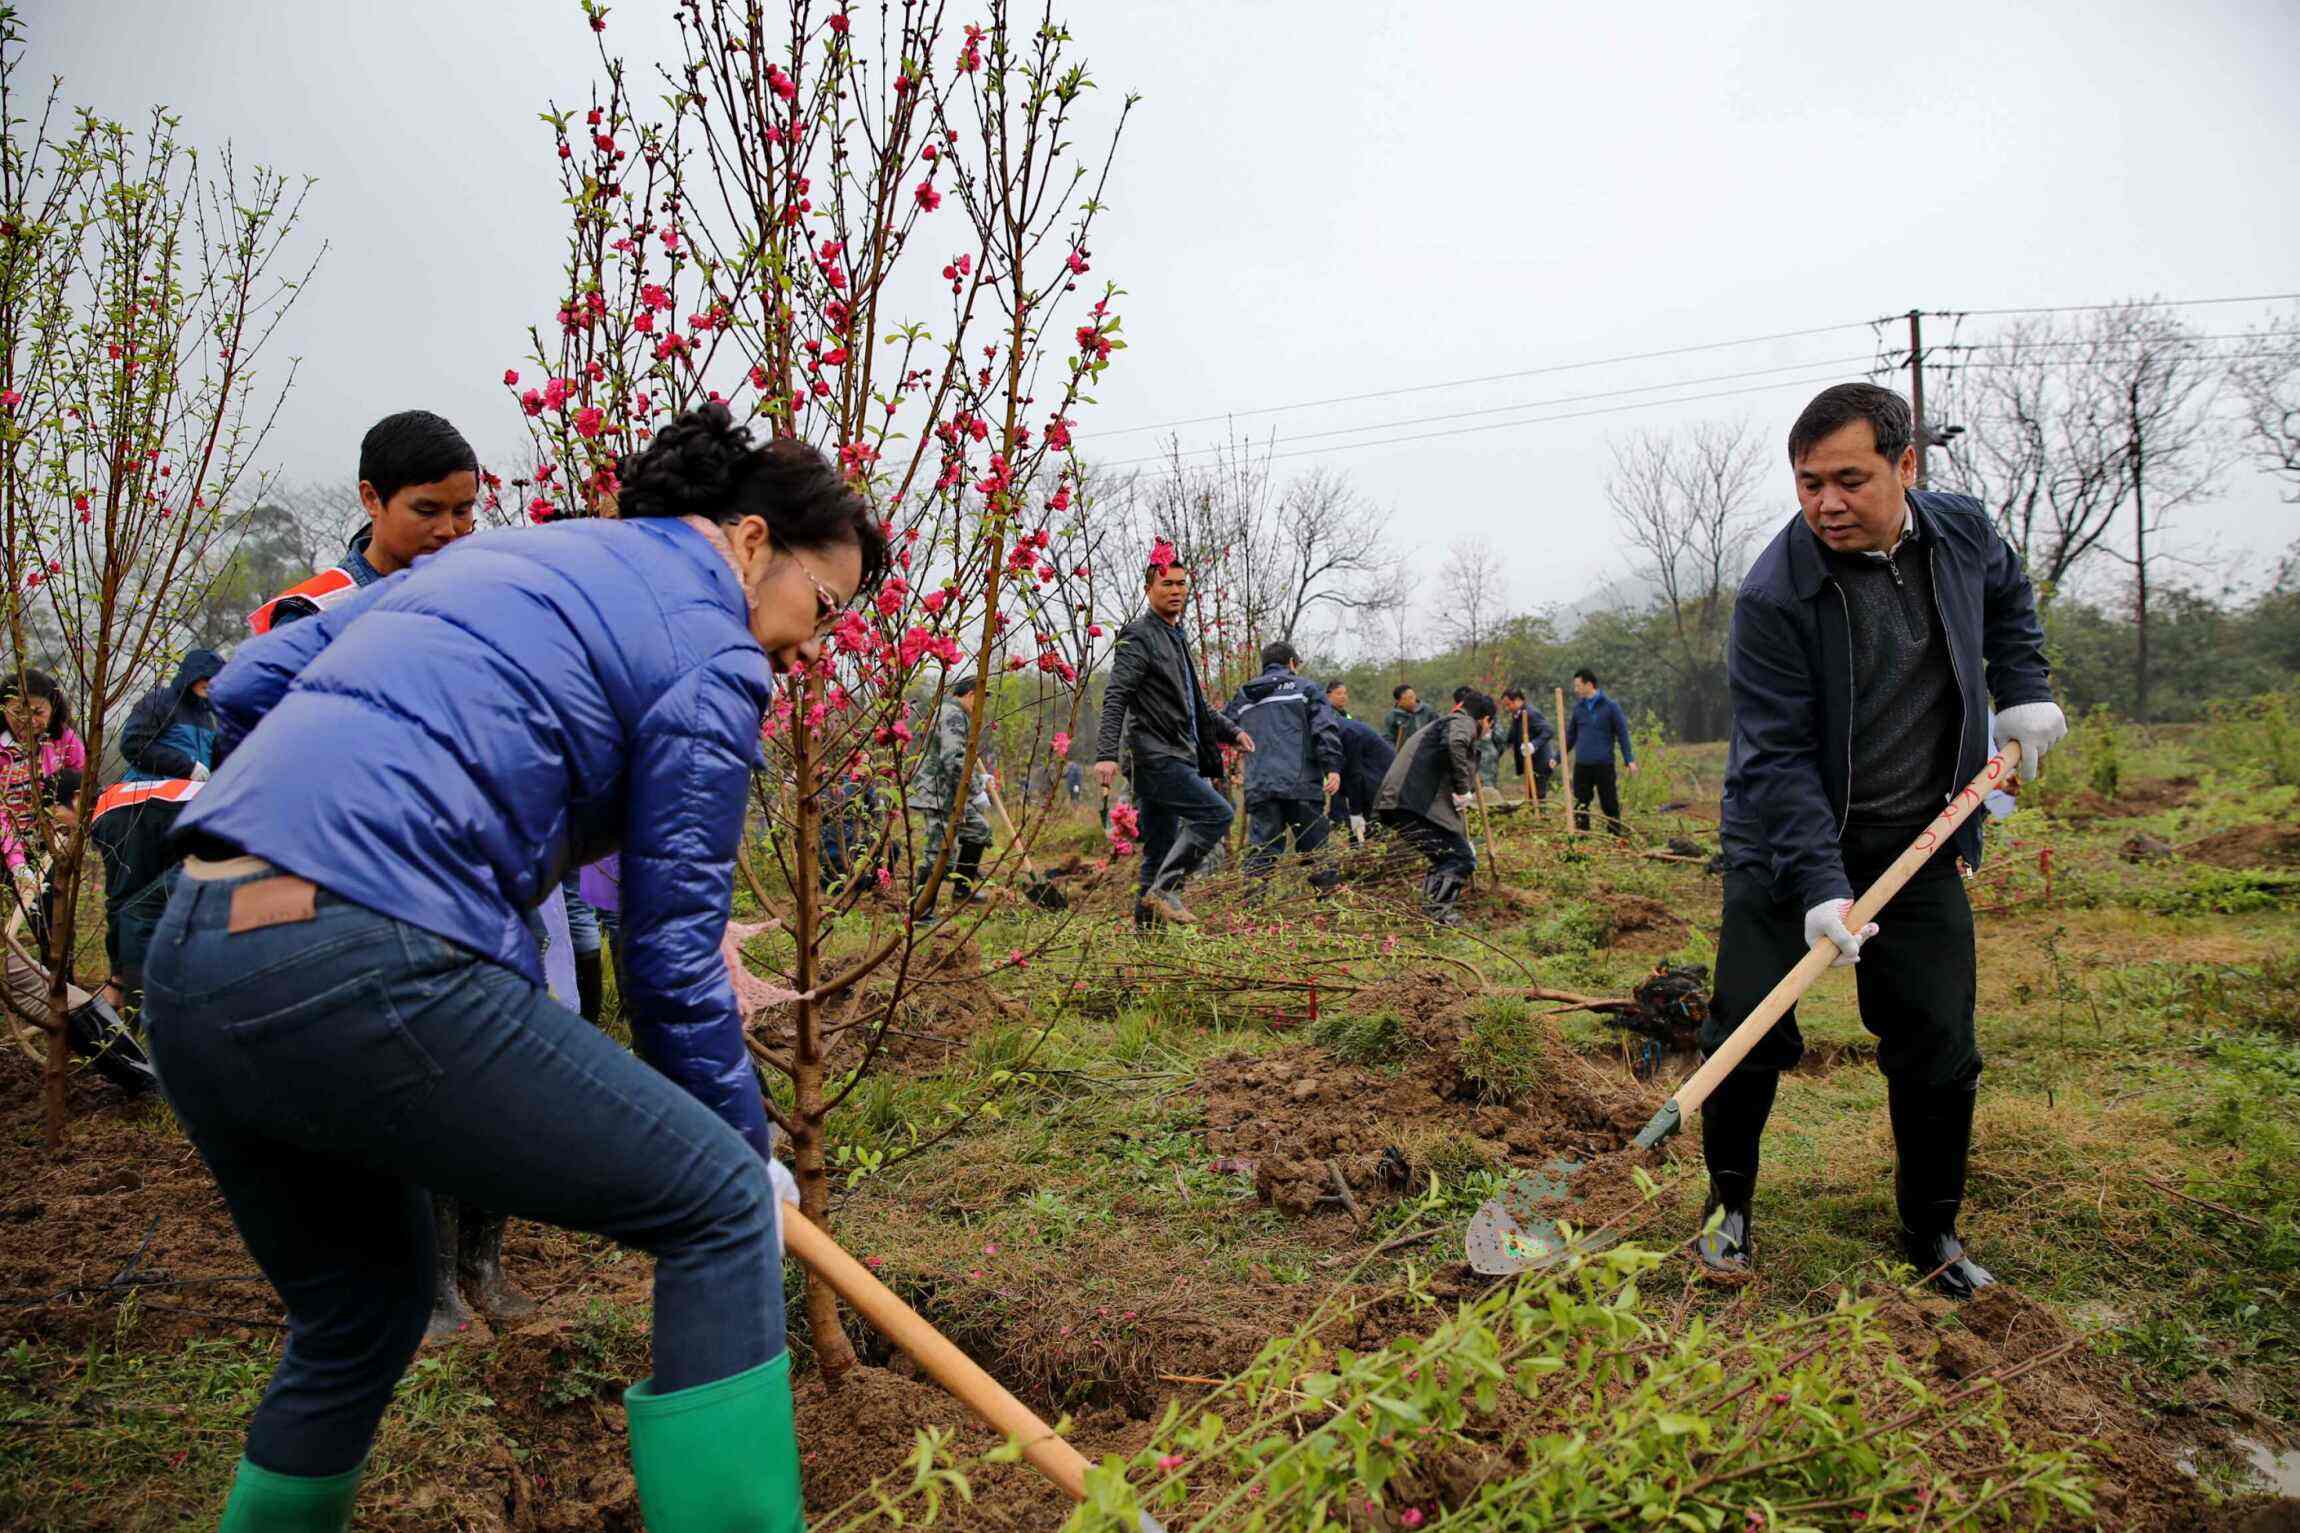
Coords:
pixel 209 870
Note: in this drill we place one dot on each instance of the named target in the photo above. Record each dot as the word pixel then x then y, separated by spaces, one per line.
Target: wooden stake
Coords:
pixel 1564 767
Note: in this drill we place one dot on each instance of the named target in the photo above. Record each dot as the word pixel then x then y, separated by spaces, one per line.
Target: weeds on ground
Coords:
pixel 1500 1052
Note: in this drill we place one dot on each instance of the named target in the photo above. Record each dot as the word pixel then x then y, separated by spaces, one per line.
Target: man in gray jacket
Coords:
pixel 1298 767
pixel 938 792
pixel 1433 780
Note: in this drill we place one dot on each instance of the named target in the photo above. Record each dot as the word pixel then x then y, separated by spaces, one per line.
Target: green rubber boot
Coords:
pixel 264 1502
pixel 719 1458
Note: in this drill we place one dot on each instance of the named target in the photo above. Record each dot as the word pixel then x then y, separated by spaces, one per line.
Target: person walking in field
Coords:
pixel 419 484
pixel 946 802
pixel 1424 793
pixel 346 1006
pixel 1408 715
pixel 1594 728
pixel 1296 770
pixel 1868 640
pixel 1155 708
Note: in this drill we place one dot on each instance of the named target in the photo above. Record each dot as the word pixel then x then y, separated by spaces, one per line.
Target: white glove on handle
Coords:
pixel 199 771
pixel 786 1188
pixel 2038 726
pixel 1462 801
pixel 1827 919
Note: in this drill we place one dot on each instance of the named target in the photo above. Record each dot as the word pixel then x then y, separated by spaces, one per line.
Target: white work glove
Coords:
pixel 786 1188
pixel 199 771
pixel 1357 827
pixel 1462 801
pixel 1827 919
pixel 2038 726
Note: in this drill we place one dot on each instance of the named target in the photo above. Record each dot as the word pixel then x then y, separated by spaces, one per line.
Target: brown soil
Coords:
pixel 947 1001
pixel 2249 846
pixel 2074 1397
pixel 2132 801
pixel 1300 1116
pixel 1636 923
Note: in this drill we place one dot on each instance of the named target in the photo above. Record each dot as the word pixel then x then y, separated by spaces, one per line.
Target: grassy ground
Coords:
pixel 1096 1162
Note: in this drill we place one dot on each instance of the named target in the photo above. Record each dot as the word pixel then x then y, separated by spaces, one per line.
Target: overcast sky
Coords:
pixel 1320 199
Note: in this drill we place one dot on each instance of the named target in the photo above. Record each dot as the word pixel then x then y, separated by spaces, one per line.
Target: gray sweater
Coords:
pixel 1905 702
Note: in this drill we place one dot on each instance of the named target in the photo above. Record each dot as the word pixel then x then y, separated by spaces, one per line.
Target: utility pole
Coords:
pixel 1917 389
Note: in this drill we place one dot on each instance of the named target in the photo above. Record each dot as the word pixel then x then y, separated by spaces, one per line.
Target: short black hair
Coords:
pixel 1586 674
pixel 1842 404
pixel 1461 692
pixel 40 684
pixel 1400 690
pixel 62 786
pixel 1335 685
pixel 1476 704
pixel 704 464
pixel 964 685
pixel 1513 691
pixel 412 447
pixel 1280 653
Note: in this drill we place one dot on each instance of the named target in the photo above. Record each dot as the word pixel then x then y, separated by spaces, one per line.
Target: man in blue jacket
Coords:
pixel 1366 759
pixel 1297 766
pixel 1594 727
pixel 1867 640
pixel 172 732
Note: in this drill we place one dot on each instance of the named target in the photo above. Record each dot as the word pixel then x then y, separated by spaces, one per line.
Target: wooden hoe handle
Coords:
pixel 1814 964
pixel 1012 835
pixel 931 1350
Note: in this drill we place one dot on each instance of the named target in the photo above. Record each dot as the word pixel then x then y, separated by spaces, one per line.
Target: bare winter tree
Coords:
pixel 1473 592
pixel 1330 558
pixel 1685 501
pixel 2040 448
pixel 2266 378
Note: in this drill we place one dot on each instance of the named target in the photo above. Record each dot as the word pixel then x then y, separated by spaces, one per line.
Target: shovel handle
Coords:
pixel 1814 964
pixel 933 1351
pixel 998 802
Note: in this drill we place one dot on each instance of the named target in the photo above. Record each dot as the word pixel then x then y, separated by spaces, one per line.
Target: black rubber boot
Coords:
pixel 969 871
pixel 1439 892
pixel 479 1262
pixel 1732 1125
pixel 1933 1141
pixel 448 1314
pixel 590 984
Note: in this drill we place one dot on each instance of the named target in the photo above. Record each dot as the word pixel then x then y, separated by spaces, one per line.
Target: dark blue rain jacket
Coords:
pixel 444 745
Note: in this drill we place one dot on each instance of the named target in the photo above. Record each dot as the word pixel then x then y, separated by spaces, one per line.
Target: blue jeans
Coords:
pixel 582 920
pixel 1267 823
pixel 334 1072
pixel 1183 818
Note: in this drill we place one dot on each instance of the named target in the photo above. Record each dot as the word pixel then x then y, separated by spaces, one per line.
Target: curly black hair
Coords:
pixel 704 464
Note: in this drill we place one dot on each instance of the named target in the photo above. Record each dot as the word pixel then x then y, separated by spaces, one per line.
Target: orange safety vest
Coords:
pixel 172 790
pixel 323 591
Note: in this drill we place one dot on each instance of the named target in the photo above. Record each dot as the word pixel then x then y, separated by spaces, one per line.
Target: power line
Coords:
pixel 2094 308
pixel 1459 383
pixel 1523 404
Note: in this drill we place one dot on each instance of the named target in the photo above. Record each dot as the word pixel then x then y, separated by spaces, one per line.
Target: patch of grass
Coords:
pixel 1500 1051
pixel 1571 927
pixel 598 1357
pixel 1375 1038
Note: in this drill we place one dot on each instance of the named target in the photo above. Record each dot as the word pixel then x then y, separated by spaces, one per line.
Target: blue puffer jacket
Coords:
pixel 445 744
pixel 1297 737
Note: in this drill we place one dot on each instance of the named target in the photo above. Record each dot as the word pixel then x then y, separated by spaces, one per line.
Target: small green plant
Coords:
pixel 1500 1052
pixel 1377 1038
pixel 2105 752
pixel 1571 927
pixel 600 1354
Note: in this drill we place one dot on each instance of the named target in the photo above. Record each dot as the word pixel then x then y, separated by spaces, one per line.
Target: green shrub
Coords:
pixel 1500 1054
pixel 1379 1038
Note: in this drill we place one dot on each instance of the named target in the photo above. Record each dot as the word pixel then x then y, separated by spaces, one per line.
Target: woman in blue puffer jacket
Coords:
pixel 344 1002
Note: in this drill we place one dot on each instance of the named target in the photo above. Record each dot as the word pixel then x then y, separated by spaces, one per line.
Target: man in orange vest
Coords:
pixel 419 484
pixel 130 827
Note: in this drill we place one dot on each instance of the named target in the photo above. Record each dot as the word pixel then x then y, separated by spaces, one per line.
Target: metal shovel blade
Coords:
pixel 1509 1234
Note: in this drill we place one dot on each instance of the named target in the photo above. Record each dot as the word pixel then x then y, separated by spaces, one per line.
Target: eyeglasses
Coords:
pixel 827 606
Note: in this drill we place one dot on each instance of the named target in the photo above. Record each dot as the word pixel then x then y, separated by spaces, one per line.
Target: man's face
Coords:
pixel 1583 688
pixel 1169 591
pixel 1338 697
pixel 1854 498
pixel 200 687
pixel 1409 700
pixel 1514 704
pixel 419 519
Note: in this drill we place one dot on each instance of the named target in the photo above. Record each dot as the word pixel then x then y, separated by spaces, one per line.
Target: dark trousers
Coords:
pixel 1597 777
pixel 1915 978
pixel 1183 818
pixel 335 1072
pixel 1270 820
pixel 1540 784
pixel 1453 861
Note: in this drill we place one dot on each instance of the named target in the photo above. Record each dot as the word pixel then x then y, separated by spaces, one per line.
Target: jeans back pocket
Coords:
pixel 341 1064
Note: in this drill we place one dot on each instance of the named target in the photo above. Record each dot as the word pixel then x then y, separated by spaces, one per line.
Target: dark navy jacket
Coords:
pixel 1788 773
pixel 445 744
pixel 1297 737
pixel 173 729
pixel 1592 728
pixel 1366 759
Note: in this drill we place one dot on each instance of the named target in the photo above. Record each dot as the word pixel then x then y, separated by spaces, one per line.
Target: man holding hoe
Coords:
pixel 1867 641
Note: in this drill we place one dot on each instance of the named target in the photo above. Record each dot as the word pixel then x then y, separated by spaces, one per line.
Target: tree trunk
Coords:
pixel 2139 572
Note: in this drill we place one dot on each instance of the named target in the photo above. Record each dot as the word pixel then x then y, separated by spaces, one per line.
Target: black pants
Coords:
pixel 1267 823
pixel 1597 777
pixel 1540 786
pixel 1915 977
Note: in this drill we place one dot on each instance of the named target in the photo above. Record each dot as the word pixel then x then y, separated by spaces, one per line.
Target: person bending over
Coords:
pixel 1424 793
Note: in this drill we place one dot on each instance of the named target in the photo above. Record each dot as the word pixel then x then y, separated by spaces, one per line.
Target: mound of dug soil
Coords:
pixel 2132 801
pixel 1301 1117
pixel 2249 846
pixel 1636 923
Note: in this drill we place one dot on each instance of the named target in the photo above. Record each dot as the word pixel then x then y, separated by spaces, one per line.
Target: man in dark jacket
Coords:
pixel 131 828
pixel 1297 769
pixel 172 732
pixel 1366 756
pixel 1155 708
pixel 1861 639
pixel 1423 794
pixel 1407 717
pixel 947 802
pixel 1531 743
pixel 1594 727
